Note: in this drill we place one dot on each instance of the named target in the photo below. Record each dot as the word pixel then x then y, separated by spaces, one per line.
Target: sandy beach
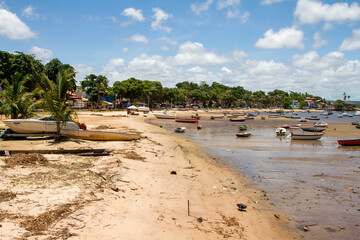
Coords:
pixel 162 186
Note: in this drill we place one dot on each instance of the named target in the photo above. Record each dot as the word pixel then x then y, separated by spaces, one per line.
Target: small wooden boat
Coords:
pixel 292 126
pixel 313 118
pixel 320 124
pixel 273 115
pixel 237 119
pixel 249 118
pixel 312 129
pixel 280 131
pixel 243 128
pixel 217 117
pixel 164 116
pixel 99 135
pixel 355 123
pixel 245 134
pixel 180 129
pixel 187 120
pixel 305 136
pixel 350 142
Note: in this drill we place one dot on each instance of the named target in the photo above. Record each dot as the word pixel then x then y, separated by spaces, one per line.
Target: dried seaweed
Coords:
pixel 6 196
pixel 23 159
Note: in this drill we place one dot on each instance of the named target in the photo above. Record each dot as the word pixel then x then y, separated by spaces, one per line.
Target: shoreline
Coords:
pixel 151 203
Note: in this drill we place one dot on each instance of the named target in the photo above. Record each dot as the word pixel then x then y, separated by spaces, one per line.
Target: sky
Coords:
pixel 303 46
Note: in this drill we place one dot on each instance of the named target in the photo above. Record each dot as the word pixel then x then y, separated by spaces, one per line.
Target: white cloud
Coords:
pixel 227 3
pixel 352 43
pixel 168 41
pixel 285 38
pixel 226 70
pixel 82 71
pixel 138 38
pixel 41 53
pixel 198 8
pixel 259 68
pixel 159 17
pixel 318 41
pixel 197 69
pixel 29 12
pixel 135 15
pixel 314 11
pixel 125 50
pixel 113 64
pixel 269 2
pixel 12 27
pixel 312 62
pixel 194 53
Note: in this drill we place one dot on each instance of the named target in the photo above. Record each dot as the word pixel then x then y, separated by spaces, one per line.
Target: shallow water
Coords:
pixel 316 183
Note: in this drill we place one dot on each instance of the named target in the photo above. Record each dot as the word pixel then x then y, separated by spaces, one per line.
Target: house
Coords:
pixel 295 104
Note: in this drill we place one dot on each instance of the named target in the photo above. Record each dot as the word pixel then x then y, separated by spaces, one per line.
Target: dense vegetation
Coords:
pixel 22 80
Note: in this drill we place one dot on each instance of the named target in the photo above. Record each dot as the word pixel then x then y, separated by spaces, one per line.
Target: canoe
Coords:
pixel 237 120
pixel 312 129
pixel 187 120
pixel 99 135
pixel 350 142
pixel 245 134
pixel 302 136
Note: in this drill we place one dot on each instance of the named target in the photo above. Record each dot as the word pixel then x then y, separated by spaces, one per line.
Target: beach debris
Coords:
pixel 173 173
pixel 24 159
pixel 305 229
pixel 241 207
pixel 200 219
pixel 277 216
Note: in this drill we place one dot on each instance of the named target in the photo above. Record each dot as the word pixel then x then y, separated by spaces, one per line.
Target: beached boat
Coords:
pixel 180 129
pixel 187 120
pixel 292 126
pixel 273 115
pixel 312 129
pixel 237 119
pixel 349 142
pixel 243 128
pixel 320 124
pixel 38 125
pixel 313 118
pixel 305 136
pixel 164 116
pixel 355 123
pixel 245 134
pixel 99 135
pixel 280 131
pixel 217 117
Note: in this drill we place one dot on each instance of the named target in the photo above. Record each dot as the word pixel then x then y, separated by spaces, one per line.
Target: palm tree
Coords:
pixel 55 98
pixel 15 99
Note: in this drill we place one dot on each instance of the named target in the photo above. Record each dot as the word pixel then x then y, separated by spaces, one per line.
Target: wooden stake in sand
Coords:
pixel 188 207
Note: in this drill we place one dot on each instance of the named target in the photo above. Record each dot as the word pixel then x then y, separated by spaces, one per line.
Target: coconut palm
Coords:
pixel 15 99
pixel 55 97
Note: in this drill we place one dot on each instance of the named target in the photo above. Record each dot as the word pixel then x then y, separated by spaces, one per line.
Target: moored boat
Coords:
pixel 245 134
pixel 187 120
pixel 305 136
pixel 243 128
pixel 312 129
pixel 38 125
pixel 217 117
pixel 320 124
pixel 237 119
pixel 292 126
pixel 180 129
pixel 99 135
pixel 164 116
pixel 349 142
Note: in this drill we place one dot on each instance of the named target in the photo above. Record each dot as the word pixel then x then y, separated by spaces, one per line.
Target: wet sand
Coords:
pixel 160 187
pixel 313 183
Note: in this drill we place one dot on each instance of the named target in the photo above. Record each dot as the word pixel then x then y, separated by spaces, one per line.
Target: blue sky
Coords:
pixel 294 45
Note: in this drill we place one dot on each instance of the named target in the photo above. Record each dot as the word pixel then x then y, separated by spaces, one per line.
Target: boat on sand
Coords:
pixel 187 120
pixel 306 136
pixel 164 116
pixel 245 134
pixel 99 135
pixel 349 142
pixel 180 129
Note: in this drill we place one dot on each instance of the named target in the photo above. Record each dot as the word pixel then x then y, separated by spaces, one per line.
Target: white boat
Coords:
pixel 280 131
pixel 180 129
pixel 306 136
pixel 320 124
pixel 164 116
pixel 38 125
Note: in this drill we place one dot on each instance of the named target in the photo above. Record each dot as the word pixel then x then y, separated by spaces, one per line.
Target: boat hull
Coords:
pixel 37 126
pixel 352 142
pixel 237 120
pixel 187 120
pixel 164 116
pixel 99 135
pixel 306 136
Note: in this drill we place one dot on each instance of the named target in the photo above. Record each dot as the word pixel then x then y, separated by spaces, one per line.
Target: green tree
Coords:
pixel 95 86
pixel 339 104
pixel 54 66
pixel 55 97
pixel 15 100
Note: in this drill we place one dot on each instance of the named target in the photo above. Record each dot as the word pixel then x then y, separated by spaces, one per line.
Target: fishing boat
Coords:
pixel 305 136
pixel 99 135
pixel 312 129
pixel 245 134
pixel 313 118
pixel 292 126
pixel 273 115
pixel 164 116
pixel 237 119
pixel 180 129
pixel 39 125
pixel 349 142
pixel 187 120
pixel 243 128
pixel 355 123
pixel 217 117
pixel 280 131
pixel 320 124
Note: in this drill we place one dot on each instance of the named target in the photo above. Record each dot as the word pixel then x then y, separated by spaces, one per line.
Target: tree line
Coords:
pixel 22 78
